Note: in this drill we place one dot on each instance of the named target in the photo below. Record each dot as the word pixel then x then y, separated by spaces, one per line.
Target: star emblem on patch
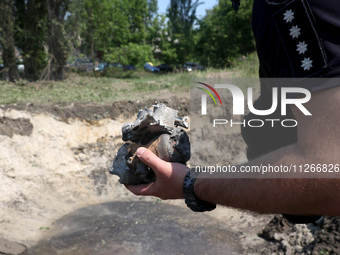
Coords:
pixel 295 31
pixel 301 47
pixel 306 64
pixel 288 16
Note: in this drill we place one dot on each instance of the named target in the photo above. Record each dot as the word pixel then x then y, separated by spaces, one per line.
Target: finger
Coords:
pixel 142 189
pixel 150 159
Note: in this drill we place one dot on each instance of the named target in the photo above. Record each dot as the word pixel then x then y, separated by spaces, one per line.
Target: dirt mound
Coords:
pixel 55 159
pixel 93 112
pixel 59 167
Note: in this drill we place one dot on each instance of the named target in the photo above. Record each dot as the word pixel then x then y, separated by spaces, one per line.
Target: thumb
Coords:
pixel 150 159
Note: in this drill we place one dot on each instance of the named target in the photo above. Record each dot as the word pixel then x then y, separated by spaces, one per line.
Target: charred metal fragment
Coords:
pixel 158 130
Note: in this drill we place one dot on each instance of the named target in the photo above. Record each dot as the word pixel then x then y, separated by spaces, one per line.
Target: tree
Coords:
pixel 161 41
pixel 151 12
pixel 100 25
pixel 30 37
pixel 224 34
pixel 137 12
pixel 107 28
pixel 10 72
pixel 182 15
pixel 130 54
pixel 56 39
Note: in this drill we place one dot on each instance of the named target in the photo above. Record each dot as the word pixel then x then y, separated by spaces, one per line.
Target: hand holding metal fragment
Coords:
pixel 158 130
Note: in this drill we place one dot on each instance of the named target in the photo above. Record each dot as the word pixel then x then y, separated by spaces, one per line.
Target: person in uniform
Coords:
pixel 297 39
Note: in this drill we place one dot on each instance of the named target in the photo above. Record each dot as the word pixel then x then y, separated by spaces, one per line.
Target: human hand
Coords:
pixel 169 177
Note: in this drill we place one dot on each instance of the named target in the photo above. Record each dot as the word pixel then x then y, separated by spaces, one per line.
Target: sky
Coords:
pixel 208 4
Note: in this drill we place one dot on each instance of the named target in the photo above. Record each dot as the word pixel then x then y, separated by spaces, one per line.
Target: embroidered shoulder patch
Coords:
pixel 296 27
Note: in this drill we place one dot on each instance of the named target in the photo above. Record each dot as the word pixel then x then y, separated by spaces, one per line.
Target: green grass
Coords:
pixel 66 91
pixel 90 89
pixel 123 86
pixel 172 82
pixel 247 66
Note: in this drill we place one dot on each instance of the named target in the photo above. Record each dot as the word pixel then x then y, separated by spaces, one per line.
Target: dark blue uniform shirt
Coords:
pixel 296 39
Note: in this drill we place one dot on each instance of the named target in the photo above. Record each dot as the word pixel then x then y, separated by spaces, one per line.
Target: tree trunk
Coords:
pixel 10 71
pixel 57 43
pixel 31 35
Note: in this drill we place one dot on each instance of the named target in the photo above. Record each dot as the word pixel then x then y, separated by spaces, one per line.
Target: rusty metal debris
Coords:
pixel 159 130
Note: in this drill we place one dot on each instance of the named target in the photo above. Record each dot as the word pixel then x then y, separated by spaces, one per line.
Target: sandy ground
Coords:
pixel 54 161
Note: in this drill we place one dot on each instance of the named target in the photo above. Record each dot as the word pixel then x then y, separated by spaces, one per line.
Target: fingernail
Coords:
pixel 140 151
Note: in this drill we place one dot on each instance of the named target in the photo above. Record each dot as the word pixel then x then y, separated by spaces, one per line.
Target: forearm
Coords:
pixel 276 195
pixel 318 142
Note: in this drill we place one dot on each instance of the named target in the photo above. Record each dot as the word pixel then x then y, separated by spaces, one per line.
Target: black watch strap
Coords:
pixel 191 200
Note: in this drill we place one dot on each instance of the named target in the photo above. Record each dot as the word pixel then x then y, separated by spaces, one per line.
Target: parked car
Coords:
pixel 117 65
pixel 149 67
pixel 129 68
pixel 84 64
pixel 165 68
pixel 193 66
pixel 120 66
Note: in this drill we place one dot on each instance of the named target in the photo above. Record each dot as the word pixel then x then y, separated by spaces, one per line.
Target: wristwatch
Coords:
pixel 191 200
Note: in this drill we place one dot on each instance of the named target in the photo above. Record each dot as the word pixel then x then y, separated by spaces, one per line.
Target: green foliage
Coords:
pixel 137 12
pixel 225 34
pixel 105 24
pixel 120 30
pixel 162 43
pixel 152 11
pixel 182 15
pixel 131 54
pixel 129 32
